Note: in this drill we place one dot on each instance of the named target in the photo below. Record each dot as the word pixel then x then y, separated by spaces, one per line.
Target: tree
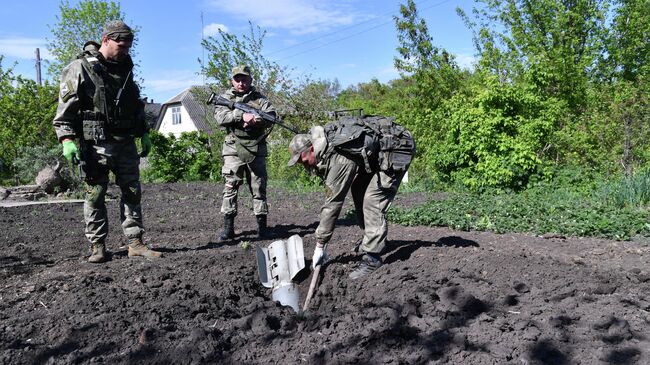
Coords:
pixel 77 25
pixel 552 43
pixel 27 111
pixel 294 97
pixel 228 50
pixel 434 72
pixel 628 42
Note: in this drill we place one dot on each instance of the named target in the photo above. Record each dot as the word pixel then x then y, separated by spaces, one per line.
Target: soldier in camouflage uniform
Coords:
pixel 100 107
pixel 372 194
pixel 244 151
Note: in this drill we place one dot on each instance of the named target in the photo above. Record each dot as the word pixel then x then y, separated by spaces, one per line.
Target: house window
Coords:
pixel 176 115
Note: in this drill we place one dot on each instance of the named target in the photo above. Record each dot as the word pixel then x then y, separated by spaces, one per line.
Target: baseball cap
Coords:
pixel 298 144
pixel 241 70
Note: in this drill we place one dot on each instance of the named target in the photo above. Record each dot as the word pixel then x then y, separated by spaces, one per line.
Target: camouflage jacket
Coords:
pixel 89 87
pixel 245 143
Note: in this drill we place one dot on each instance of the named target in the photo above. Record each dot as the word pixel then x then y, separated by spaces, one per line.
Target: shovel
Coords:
pixel 312 285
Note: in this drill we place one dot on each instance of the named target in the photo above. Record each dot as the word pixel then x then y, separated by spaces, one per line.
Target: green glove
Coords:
pixel 145 141
pixel 70 151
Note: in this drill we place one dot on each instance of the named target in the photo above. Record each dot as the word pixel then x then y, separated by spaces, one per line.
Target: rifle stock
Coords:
pixel 221 101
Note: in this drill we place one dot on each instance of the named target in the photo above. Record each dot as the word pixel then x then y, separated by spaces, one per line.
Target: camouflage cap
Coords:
pixel 117 30
pixel 241 70
pixel 298 144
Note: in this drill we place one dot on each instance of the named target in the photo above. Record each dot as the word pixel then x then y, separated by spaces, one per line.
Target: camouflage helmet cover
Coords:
pixel 241 70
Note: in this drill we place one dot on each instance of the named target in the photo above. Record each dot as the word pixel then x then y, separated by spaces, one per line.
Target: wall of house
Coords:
pixel 186 125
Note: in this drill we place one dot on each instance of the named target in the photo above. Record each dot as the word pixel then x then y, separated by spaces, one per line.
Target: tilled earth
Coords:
pixel 442 297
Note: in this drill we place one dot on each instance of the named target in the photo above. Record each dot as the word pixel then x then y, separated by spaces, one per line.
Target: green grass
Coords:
pixel 544 209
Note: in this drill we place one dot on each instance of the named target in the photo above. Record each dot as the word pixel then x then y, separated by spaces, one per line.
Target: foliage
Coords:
pixel 627 55
pixel 300 100
pixel 77 25
pixel 292 177
pixel 228 50
pixel 552 44
pixel 190 157
pixel 27 112
pixel 540 210
pixel 630 192
pixel 432 73
pixel 495 136
pixel 32 159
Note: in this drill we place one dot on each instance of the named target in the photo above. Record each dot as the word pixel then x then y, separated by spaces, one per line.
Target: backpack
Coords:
pixel 375 143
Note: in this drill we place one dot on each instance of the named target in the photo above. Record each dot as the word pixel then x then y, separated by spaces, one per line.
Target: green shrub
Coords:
pixel 191 157
pixel 31 160
pixel 495 136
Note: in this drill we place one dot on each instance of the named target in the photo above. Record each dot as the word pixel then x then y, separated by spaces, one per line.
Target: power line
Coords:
pixel 344 29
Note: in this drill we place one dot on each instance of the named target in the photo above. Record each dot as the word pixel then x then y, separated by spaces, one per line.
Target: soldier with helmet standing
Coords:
pixel 100 107
pixel 244 151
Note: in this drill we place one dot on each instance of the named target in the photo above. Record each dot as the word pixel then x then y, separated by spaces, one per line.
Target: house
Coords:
pixel 152 112
pixel 186 112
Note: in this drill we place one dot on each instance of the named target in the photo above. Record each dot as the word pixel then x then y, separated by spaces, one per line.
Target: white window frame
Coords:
pixel 176 115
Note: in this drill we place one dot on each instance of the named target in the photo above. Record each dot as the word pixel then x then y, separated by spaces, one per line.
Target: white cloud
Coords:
pixel 23 48
pixel 213 29
pixel 165 84
pixel 465 61
pixel 296 16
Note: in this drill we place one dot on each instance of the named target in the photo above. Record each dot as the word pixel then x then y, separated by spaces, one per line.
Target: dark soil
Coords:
pixel 442 297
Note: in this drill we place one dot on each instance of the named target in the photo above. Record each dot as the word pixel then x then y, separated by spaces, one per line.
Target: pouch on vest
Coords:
pixel 354 139
pixel 397 146
pixel 93 130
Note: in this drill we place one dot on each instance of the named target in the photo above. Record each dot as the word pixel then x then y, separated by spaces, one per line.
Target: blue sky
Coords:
pixel 349 40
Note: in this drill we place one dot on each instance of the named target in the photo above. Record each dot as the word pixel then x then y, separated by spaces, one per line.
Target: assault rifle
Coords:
pixel 220 100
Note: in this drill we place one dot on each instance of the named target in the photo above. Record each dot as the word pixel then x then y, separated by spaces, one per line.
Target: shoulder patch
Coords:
pixel 67 90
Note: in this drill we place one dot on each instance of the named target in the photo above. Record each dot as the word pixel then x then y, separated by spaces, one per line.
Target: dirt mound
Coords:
pixel 442 297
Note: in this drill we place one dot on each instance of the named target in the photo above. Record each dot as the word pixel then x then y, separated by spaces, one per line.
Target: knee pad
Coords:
pixel 131 192
pixel 95 194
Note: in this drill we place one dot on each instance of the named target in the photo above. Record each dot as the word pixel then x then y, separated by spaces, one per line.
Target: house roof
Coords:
pixel 152 113
pixel 193 99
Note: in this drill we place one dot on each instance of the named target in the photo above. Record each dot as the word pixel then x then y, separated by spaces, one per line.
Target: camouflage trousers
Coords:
pixel 235 171
pixel 372 195
pixel 120 157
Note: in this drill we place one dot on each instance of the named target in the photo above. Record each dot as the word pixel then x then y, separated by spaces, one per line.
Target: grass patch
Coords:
pixel 539 210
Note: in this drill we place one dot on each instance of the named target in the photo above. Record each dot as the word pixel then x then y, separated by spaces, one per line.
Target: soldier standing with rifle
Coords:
pixel 244 150
pixel 100 105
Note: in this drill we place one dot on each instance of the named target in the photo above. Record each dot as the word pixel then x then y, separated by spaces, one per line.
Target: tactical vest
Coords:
pixel 375 143
pixel 248 141
pixel 106 117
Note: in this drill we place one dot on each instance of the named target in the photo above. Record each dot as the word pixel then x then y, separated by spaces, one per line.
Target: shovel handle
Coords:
pixel 312 285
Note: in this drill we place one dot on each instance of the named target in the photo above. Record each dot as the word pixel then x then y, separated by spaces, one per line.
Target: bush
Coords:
pixel 191 157
pixel 494 137
pixel 31 160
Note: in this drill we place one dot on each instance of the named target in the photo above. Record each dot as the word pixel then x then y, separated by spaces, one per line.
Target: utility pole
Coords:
pixel 38 67
pixel 202 50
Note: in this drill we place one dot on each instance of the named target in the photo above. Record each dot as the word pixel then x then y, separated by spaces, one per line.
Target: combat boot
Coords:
pixel 369 263
pixel 137 248
pixel 98 254
pixel 262 230
pixel 228 232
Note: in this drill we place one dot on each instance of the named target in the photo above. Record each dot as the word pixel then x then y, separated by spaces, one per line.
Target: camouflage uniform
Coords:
pixel 87 111
pixel 244 152
pixel 372 194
